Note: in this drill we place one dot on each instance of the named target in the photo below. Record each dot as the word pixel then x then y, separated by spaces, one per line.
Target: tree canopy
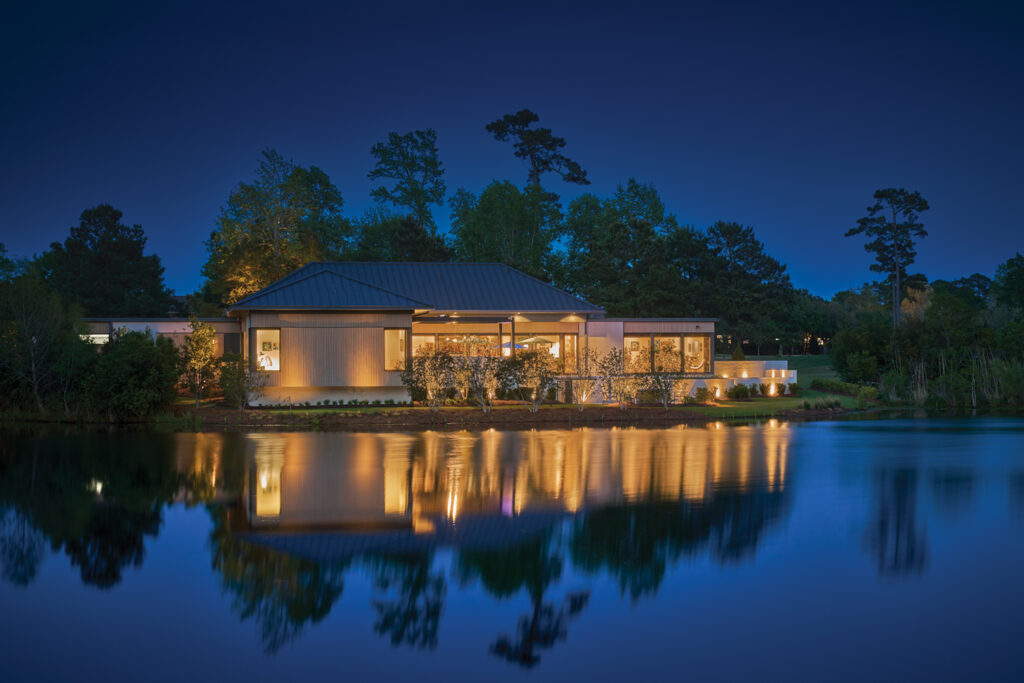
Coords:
pixel 538 147
pixel 381 236
pixel 411 161
pixel 102 267
pixel 287 217
pixel 507 225
pixel 892 226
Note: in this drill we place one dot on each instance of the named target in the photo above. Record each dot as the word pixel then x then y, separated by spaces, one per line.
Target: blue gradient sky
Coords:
pixel 785 117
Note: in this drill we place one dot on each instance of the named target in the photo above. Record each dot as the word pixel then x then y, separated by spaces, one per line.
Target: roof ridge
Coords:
pixel 288 279
pixel 378 287
pixel 270 289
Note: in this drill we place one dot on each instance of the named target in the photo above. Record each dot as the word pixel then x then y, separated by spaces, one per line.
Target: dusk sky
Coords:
pixel 782 116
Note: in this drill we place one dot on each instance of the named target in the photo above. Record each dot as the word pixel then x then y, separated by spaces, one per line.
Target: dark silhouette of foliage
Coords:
pixel 411 161
pixel 413 616
pixel 538 147
pixel 280 592
pixel 892 227
pixel 102 268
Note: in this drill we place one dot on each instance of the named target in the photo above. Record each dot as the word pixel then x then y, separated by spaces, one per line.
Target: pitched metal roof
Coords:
pixel 322 288
pixel 436 286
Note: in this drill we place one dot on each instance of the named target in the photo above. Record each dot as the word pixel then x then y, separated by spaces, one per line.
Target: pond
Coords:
pixel 874 550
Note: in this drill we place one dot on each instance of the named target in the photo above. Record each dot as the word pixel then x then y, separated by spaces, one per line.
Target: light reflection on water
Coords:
pixel 426 541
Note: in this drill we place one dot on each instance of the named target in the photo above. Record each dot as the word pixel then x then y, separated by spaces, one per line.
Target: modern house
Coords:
pixel 339 331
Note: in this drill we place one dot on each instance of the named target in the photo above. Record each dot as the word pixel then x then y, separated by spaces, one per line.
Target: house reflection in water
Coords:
pixel 447 485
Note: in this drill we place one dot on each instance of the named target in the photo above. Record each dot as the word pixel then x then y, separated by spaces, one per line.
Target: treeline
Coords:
pixel 625 252
pixel 51 366
pixel 959 343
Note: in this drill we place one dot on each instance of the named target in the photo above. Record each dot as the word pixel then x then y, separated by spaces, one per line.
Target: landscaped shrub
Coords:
pixel 738 392
pixel 780 388
pixel 794 388
pixel 835 386
pixel 861 366
pixel 240 382
pixel 737 353
pixel 765 390
pixel 134 376
pixel 865 394
pixel 703 395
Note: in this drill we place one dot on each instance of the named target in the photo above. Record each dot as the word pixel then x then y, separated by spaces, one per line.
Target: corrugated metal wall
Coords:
pixel 332 349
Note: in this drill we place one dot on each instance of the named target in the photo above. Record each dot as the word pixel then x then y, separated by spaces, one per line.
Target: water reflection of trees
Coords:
pixel 280 592
pixel 90 495
pixel 636 543
pixel 22 547
pixel 895 538
pixel 413 612
pixel 532 566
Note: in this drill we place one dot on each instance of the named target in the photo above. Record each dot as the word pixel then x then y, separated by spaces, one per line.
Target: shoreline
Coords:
pixel 211 418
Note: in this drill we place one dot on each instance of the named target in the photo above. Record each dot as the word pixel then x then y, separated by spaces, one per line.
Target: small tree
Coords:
pixel 532 373
pixel 484 380
pixel 73 360
pixel 135 375
pixel 198 358
pixel 462 376
pixel 433 374
pixel 662 385
pixel 581 388
pixel 241 382
pixel 616 383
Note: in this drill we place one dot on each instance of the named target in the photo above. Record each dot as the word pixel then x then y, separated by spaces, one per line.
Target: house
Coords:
pixel 341 331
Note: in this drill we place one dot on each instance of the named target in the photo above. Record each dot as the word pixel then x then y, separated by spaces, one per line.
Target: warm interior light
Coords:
pixel 744 374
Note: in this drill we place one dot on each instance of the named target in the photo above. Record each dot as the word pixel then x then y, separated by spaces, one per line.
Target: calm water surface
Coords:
pixel 881 550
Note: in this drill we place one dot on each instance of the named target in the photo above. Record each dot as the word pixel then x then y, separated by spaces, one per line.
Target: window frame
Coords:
pixel 654 351
pixel 709 354
pixel 254 356
pixel 408 348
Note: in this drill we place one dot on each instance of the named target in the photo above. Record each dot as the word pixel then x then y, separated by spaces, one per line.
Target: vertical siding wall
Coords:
pixel 332 349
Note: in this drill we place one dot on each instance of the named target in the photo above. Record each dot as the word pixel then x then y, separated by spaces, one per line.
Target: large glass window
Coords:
pixel 394 349
pixel 268 349
pixel 697 355
pixel 422 344
pixel 570 343
pixel 636 354
pixel 455 344
pixel 482 344
pixel 668 353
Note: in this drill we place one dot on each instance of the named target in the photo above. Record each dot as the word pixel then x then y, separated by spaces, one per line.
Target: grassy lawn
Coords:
pixel 766 407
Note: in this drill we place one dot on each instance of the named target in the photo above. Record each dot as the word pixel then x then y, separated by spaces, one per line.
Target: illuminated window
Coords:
pixel 667 353
pixel 636 354
pixel 423 344
pixel 394 349
pixel 268 349
pixel 482 344
pixel 697 353
pixel 569 352
pixel 98 339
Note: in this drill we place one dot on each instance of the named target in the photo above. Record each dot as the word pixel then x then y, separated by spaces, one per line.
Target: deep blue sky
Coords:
pixel 782 116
